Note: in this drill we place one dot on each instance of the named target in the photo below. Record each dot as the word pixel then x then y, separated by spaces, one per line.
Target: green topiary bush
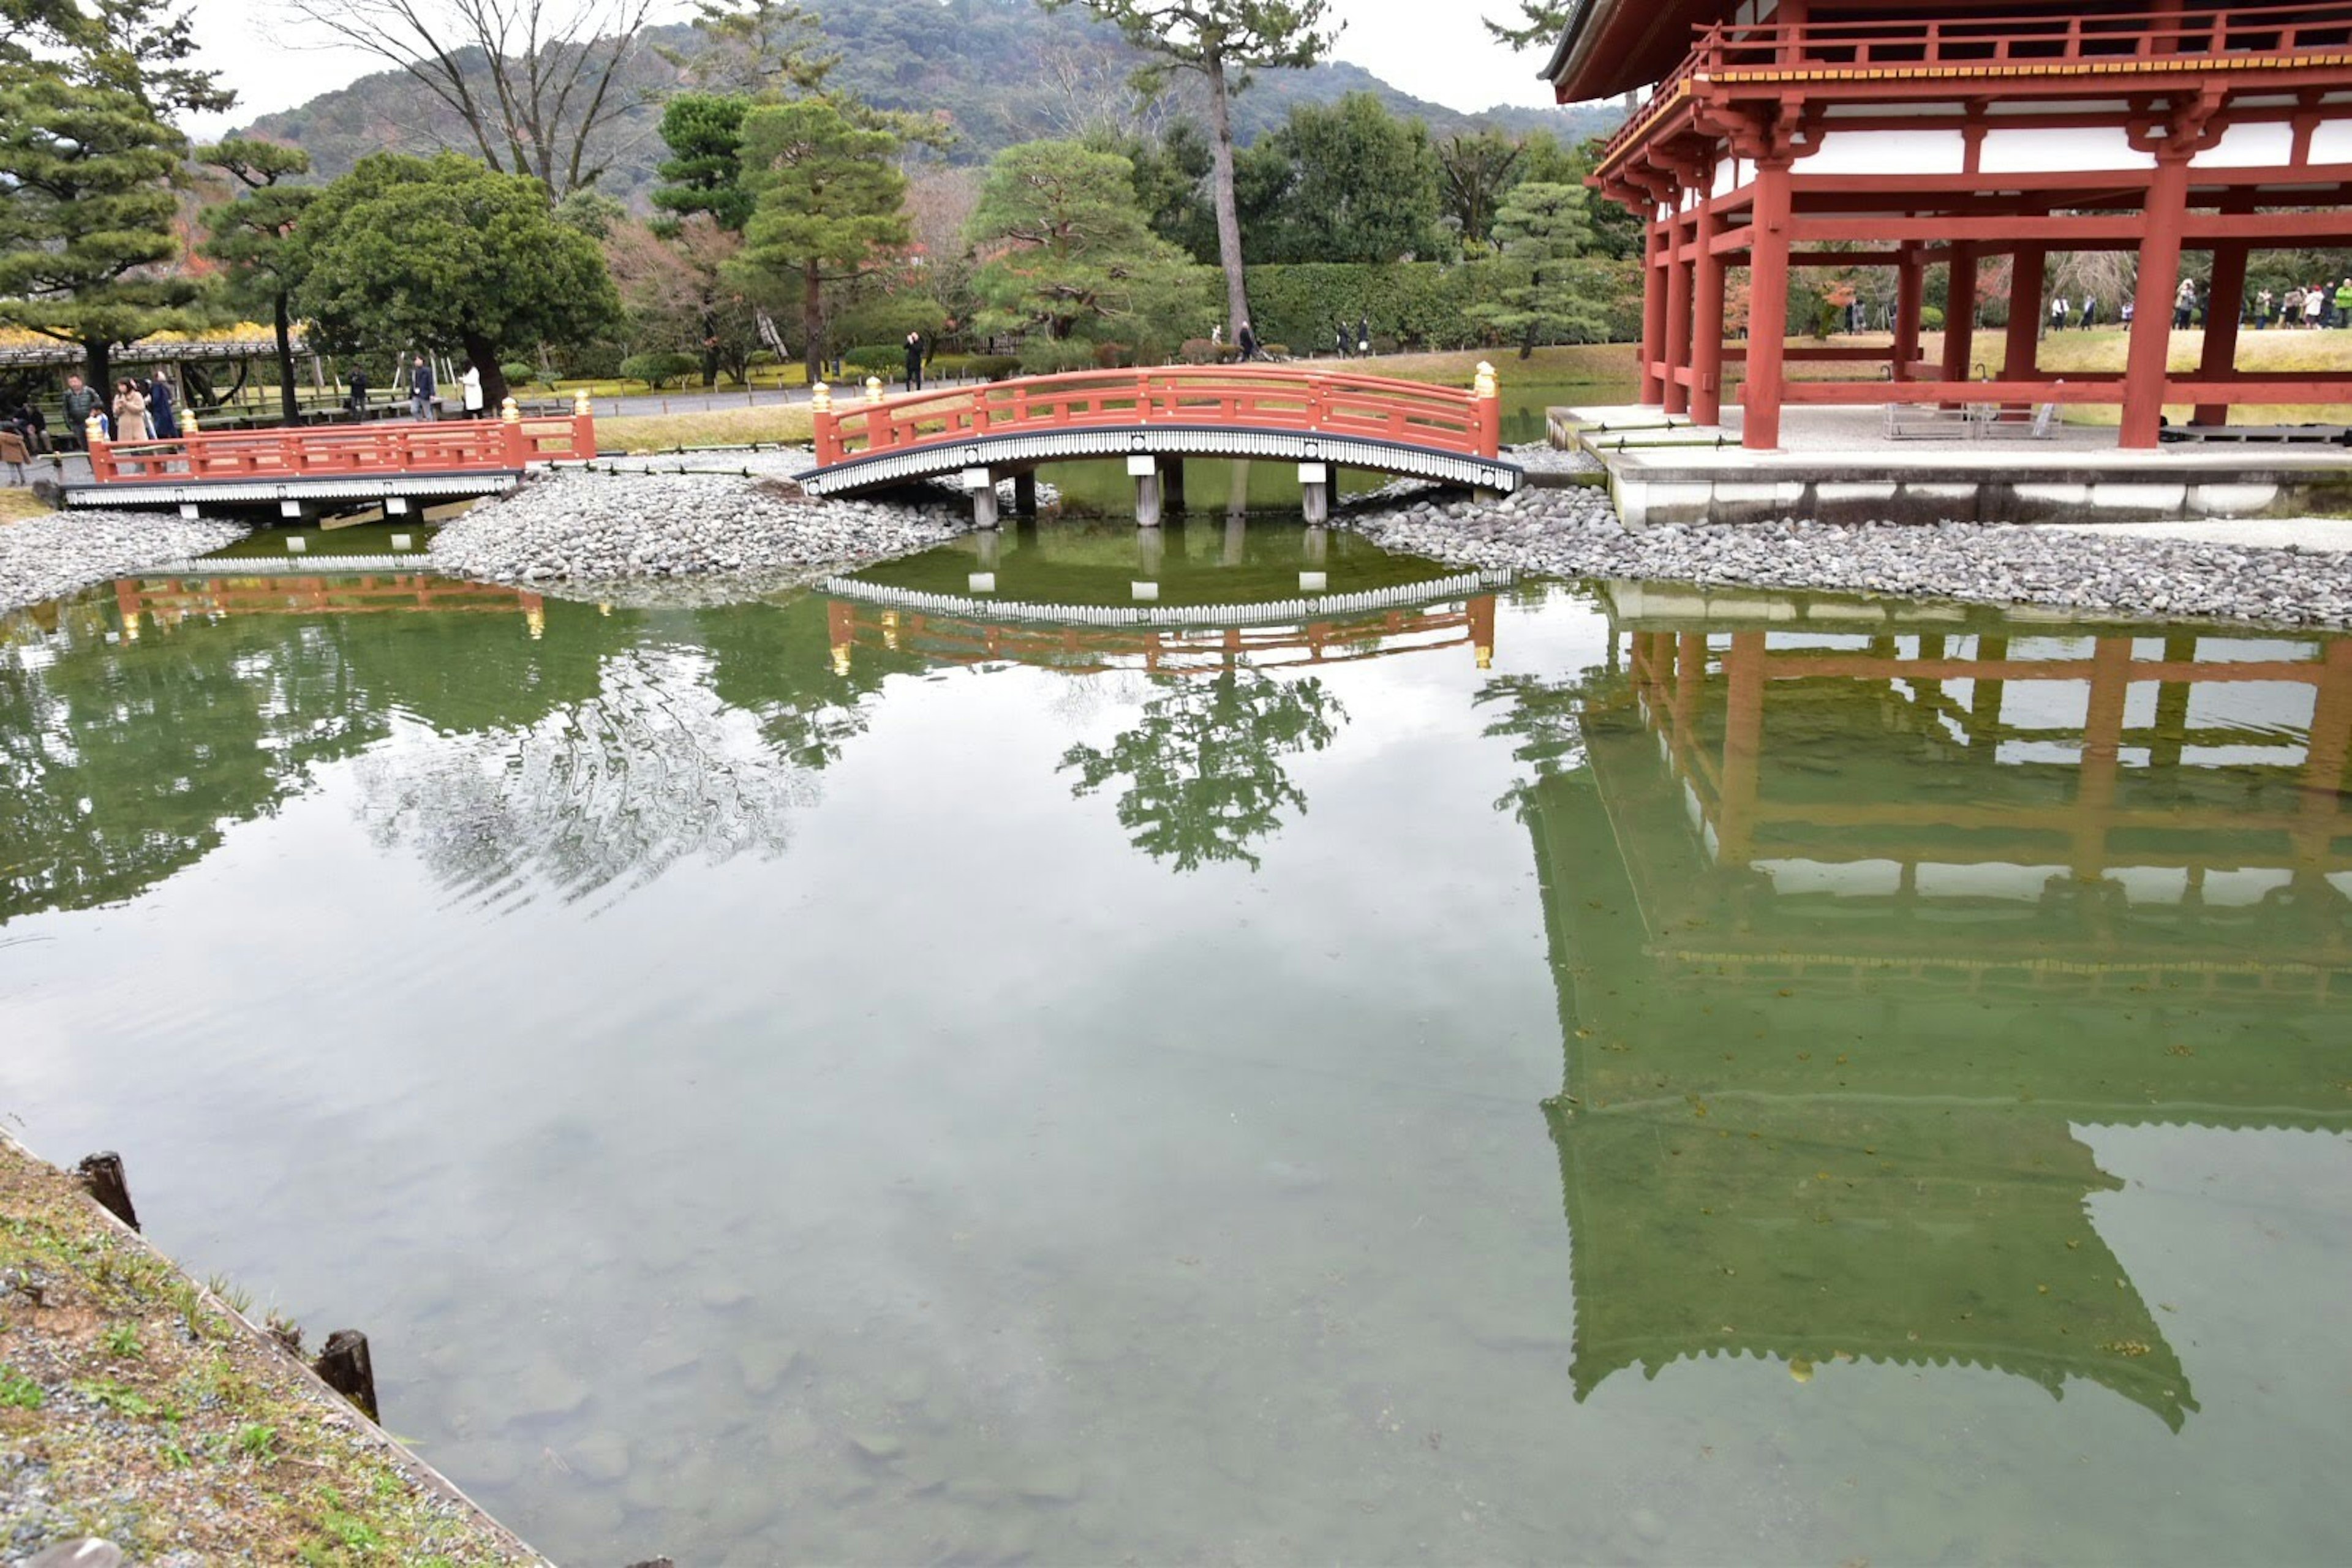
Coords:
pixel 658 369
pixel 519 373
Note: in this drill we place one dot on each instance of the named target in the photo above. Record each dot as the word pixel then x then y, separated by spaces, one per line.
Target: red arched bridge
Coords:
pixel 1321 420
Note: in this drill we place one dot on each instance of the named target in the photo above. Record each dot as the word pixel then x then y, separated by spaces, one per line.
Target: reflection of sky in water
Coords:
pixel 764 1114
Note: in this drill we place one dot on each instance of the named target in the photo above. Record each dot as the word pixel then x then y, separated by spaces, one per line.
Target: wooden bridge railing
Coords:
pixel 504 445
pixel 1269 397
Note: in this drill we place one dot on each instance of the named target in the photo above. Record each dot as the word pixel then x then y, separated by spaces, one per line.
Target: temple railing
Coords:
pixel 1247 397
pixel 2039 45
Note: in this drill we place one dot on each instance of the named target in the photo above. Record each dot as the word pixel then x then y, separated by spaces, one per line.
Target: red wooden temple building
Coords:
pixel 1913 134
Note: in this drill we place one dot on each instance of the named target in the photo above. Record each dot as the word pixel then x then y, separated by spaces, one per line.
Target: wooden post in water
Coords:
pixel 344 1366
pixel 102 1178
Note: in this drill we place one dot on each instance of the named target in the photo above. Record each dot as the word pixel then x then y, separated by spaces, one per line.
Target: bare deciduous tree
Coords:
pixel 533 80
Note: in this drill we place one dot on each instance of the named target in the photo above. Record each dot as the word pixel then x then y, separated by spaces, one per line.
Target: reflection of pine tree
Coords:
pixel 1205 764
pixel 611 790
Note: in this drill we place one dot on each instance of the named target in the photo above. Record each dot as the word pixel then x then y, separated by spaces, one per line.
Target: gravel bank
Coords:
pixel 1575 533
pixel 1543 457
pixel 588 535
pixel 51 555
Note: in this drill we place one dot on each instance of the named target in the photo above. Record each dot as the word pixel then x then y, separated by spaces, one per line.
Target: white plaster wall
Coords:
pixel 1889 153
pixel 2331 141
pixel 1731 175
pixel 2060 150
pixel 2261 145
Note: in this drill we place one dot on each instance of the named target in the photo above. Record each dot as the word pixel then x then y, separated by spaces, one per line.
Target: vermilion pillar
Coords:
pixel 2223 306
pixel 1653 310
pixel 1707 322
pixel 1679 318
pixel 1910 278
pixel 1768 311
pixel 1961 314
pixel 2159 275
pixel 2026 272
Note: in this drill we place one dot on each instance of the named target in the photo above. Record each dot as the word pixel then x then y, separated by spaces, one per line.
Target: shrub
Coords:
pixel 1931 318
pixel 1047 356
pixel 992 367
pixel 519 373
pixel 876 359
pixel 589 362
pixel 657 369
pixel 1198 350
pixel 1111 356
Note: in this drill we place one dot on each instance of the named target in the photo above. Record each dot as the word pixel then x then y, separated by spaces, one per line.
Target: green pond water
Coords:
pixel 1554 1073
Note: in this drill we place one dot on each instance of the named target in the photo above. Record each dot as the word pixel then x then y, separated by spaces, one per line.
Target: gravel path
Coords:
pixel 600 535
pixel 1574 532
pixel 1543 457
pixel 51 555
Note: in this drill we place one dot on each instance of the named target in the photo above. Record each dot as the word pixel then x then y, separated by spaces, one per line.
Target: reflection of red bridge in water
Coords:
pixel 170 600
pixel 1156 418
pixel 1170 650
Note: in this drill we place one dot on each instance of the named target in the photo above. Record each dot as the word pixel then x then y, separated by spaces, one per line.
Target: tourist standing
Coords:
pixel 2184 303
pixel 161 413
pixel 470 389
pixel 2314 305
pixel 80 404
pixel 914 362
pixel 423 392
pixel 1246 340
pixel 1364 335
pixel 1340 339
pixel 130 412
pixel 356 399
pixel 2263 304
pixel 2058 313
pixel 2290 313
pixel 2344 303
pixel 2090 316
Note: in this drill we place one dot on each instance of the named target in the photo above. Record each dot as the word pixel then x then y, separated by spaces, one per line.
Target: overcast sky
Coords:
pixel 1432 49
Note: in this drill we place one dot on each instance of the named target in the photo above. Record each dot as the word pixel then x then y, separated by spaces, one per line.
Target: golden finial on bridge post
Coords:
pixel 1483 383
pixel 820 398
pixel 187 421
pixel 581 406
pixel 872 389
pixel 509 410
pixel 93 429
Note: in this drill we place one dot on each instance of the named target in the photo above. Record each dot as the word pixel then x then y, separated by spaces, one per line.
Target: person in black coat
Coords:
pixel 1246 340
pixel 914 362
pixel 160 409
pixel 356 400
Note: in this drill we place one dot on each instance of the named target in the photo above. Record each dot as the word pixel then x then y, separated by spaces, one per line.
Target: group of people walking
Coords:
pixel 2306 305
pixel 137 411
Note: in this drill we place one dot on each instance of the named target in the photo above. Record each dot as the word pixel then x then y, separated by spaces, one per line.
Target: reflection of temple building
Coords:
pixel 1850 933
pixel 168 601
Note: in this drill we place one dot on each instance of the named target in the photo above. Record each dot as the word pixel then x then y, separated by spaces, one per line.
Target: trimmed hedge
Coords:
pixel 1418 305
pixel 657 370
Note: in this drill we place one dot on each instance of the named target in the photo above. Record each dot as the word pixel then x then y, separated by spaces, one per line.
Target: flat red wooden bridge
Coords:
pixel 394 461
pixel 1156 419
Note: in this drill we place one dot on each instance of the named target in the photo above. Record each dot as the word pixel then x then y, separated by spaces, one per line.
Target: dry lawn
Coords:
pixel 18 503
pixel 713 427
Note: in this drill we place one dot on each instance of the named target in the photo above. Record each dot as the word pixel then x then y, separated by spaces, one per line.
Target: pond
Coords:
pixel 1519 1072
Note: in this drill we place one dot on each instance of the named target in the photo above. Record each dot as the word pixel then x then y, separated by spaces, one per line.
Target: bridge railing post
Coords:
pixel 101 456
pixel 518 449
pixel 583 425
pixel 1487 393
pixel 828 436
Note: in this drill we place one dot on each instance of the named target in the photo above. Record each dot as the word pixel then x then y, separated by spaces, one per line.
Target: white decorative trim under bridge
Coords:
pixel 937 458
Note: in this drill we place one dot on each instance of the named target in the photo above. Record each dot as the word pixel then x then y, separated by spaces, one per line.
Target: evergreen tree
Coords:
pixel 704 172
pixel 252 236
pixel 1543 232
pixel 1072 263
pixel 1357 184
pixel 1221 42
pixel 828 206
pixel 1475 171
pixel 429 253
pixel 89 159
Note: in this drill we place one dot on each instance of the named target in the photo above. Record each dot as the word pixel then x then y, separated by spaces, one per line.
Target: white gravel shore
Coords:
pixel 1574 532
pixel 50 555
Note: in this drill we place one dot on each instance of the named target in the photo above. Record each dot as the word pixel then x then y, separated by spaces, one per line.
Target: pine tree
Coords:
pixel 252 238
pixel 89 159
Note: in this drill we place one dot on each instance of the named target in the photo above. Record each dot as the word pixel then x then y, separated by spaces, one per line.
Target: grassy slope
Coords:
pixel 18 503
pixel 660 432
pixel 149 1416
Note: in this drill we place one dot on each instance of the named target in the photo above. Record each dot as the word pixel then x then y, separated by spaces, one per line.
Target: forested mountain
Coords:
pixel 1001 72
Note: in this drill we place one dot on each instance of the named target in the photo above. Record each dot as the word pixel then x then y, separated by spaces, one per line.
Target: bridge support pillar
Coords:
pixel 1315 493
pixel 1024 493
pixel 1319 546
pixel 1236 537
pixel 982 485
pixel 1145 472
pixel 1171 483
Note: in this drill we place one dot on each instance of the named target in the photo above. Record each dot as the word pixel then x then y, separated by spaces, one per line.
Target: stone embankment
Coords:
pixel 707 532
pixel 51 554
pixel 1574 532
